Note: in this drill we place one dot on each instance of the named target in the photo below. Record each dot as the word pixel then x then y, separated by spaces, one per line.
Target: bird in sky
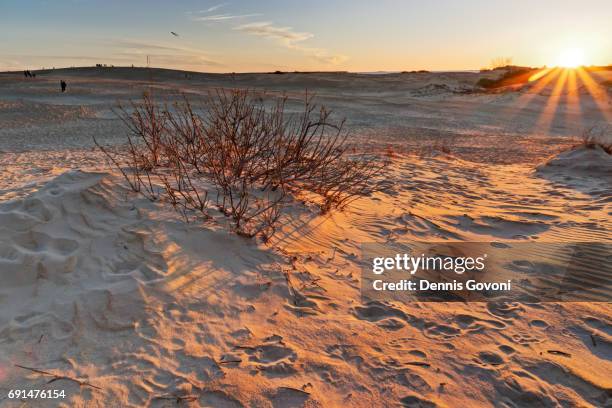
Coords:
pixel 174 34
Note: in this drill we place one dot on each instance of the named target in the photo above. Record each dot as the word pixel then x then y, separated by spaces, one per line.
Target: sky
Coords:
pixel 255 36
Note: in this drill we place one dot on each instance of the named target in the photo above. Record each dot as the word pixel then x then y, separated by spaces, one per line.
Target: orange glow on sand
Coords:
pixel 561 86
pixel 599 94
pixel 546 115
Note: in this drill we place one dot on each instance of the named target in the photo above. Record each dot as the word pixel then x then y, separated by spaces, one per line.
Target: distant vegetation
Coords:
pixel 497 64
pixel 277 72
pixel 420 71
pixel 512 75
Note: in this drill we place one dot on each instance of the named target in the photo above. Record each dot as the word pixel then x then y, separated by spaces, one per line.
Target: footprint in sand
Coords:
pixel 242 334
pixel 526 339
pixel 39 242
pixel 345 352
pixel 24 215
pixel 136 255
pixel 35 324
pixel 404 344
pixel 271 353
pixel 29 257
pixel 217 399
pixel 465 321
pixel 418 353
pixel 36 209
pixel 541 324
pixel 598 325
pixel 301 305
pixel 441 331
pixel 414 381
pixel 390 324
pixel 412 401
pixel 203 369
pixel 376 311
pixel 472 324
pixel 505 310
pixel 274 358
pixel 284 397
pixel 490 358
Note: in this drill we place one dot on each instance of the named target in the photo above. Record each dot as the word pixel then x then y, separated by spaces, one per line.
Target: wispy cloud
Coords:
pixel 324 56
pixel 144 45
pixel 204 15
pixel 291 39
pixel 224 17
pixel 216 7
pixel 268 30
pixel 208 10
pixel 184 60
pixel 161 52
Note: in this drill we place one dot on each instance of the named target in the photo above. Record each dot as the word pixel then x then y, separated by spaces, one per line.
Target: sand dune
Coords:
pixel 103 286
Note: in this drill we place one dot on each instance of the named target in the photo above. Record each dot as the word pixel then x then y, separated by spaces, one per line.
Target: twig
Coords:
pixel 57 377
pixel 559 353
pixel 333 255
pixel 230 361
pixel 177 398
pixel 290 287
pixel 418 363
pixel 239 347
pixel 297 389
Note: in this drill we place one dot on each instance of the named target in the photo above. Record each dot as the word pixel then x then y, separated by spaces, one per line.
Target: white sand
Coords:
pixel 106 287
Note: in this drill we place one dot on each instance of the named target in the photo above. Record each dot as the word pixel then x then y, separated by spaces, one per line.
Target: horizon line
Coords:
pixel 381 72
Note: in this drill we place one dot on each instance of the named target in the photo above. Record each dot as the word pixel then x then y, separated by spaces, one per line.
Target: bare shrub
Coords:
pixel 597 136
pixel 500 62
pixel 252 157
pixel 134 166
pixel 147 122
pixel 511 76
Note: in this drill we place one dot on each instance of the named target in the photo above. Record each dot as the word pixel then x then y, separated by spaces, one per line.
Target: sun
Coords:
pixel 571 58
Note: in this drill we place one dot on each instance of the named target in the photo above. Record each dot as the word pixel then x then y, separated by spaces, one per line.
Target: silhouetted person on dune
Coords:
pixel 63 85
